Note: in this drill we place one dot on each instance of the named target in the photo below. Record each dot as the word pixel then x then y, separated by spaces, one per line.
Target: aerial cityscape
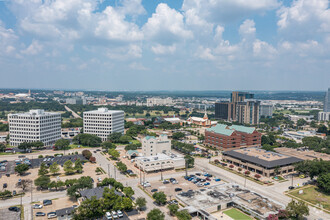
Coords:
pixel 161 110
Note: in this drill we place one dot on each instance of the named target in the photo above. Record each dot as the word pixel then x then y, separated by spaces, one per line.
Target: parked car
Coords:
pixel 5 185
pixel 198 174
pixel 7 175
pixel 37 206
pixel 21 156
pixel 208 179
pixel 154 190
pixel 146 184
pixel 14 209
pixel 166 181
pixel 14 192
pixel 206 184
pixel 40 214
pixel 217 179
pixel 291 187
pixel 120 214
pixel 51 215
pixel 177 189
pixel 47 202
pixel 108 215
pixel 114 214
pixel 200 184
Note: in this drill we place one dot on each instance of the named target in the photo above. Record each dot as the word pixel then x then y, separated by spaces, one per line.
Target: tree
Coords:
pixel 323 181
pixel 141 202
pixel 277 170
pixel 21 168
pixel 183 215
pixel 247 173
pixel 323 129
pixel 128 191
pixel 5 194
pixel 155 214
pixel 114 154
pixel 24 184
pixel 178 135
pixel 42 181
pixel 62 144
pixel 43 170
pixel 297 210
pixel 2 147
pixel 89 209
pixel 301 122
pixel 239 169
pixel 125 139
pixel 92 159
pixel 78 166
pixel 68 167
pixel 189 160
pixel 87 154
pixel 160 197
pixel 54 168
pixel 108 145
pixel 24 146
pixel 173 209
pixel 87 140
pixel 231 166
pixel 121 166
pixel 114 137
pixel 257 176
pixel 38 144
pixel 56 184
pixel 126 203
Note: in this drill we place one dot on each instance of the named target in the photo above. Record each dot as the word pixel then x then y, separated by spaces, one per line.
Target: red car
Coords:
pixel 208 179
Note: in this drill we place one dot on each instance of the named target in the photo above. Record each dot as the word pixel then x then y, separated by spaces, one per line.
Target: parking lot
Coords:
pixel 35 163
pixel 6 214
pixel 9 168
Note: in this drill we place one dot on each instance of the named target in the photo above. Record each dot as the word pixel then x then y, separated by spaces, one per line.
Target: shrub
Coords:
pixel 239 169
pixel 92 159
pixel 247 172
pixel 87 154
pixel 257 176
pixel 231 166
pixel 40 156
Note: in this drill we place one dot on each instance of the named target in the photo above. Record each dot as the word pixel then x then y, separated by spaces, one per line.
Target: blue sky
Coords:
pixel 165 45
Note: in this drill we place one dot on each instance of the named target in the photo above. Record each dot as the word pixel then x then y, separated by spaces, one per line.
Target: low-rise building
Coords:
pixel 299 135
pixel 260 161
pixel 159 101
pixel 205 121
pixel 65 214
pixel 160 162
pixel 224 137
pixel 324 116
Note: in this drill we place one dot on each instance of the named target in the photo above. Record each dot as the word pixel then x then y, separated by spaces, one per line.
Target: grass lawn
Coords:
pixel 312 195
pixel 236 214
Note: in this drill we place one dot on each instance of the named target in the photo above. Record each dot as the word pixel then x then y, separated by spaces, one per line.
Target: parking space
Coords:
pixel 7 167
pixel 6 214
pixel 35 163
pixel 133 214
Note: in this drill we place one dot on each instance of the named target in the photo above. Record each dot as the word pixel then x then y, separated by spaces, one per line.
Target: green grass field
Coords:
pixel 312 195
pixel 236 214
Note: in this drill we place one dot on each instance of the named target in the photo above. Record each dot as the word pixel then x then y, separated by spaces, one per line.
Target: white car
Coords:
pixel 108 215
pixel 146 184
pixel 37 206
pixel 51 215
pixel 99 179
pixel 114 214
pixel 120 214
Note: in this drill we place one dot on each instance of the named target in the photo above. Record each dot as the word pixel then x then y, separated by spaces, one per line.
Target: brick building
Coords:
pixel 225 137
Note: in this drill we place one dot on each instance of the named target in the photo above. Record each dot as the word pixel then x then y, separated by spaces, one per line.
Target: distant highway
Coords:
pixel 73 113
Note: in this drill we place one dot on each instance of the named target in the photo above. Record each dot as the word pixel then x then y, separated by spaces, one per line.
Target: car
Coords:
pixel 99 179
pixel 5 185
pixel 59 155
pixel 200 184
pixel 120 214
pixel 114 214
pixel 37 206
pixel 217 179
pixel 108 215
pixel 94 151
pixel 19 180
pixel 14 209
pixel 208 179
pixel 45 160
pixel 291 187
pixel 198 174
pixel 206 184
pixel 7 175
pixel 14 192
pixel 98 150
pixel 177 189
pixel 47 202
pixel 40 214
pixel 21 156
pixel 49 159
pixel 154 190
pixel 51 215
pixel 166 181
pixel 186 177
pixel 146 184
pixel 203 180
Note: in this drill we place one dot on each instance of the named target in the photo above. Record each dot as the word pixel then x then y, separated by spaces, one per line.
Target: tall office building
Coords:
pixel 266 110
pixel 35 125
pixel 103 122
pixel 241 108
pixel 326 107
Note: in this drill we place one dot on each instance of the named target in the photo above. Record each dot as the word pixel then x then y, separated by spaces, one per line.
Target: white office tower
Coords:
pixel 326 107
pixel 103 122
pixel 151 146
pixel 35 125
pixel 324 116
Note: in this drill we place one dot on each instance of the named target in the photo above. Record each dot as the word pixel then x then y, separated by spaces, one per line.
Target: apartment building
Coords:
pixel 35 125
pixel 102 122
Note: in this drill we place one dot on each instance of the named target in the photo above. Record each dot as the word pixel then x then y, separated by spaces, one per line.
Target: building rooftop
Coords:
pixel 65 211
pixel 221 129
pixel 35 112
pixel 160 157
pixel 130 152
pixel 97 192
pixel 244 129
pixel 104 111
pixel 262 157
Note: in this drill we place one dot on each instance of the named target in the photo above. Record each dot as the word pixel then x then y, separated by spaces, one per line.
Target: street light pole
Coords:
pixel 109 170
pixel 161 170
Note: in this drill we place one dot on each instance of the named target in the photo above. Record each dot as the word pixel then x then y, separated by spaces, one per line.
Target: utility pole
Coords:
pixel 31 192
pixel 109 170
pixel 292 180
pixel 245 181
pixel 161 171
pixel 140 175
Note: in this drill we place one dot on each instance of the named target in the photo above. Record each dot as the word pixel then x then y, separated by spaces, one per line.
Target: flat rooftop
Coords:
pixel 267 159
pixel 160 157
pixel 302 153
pixel 104 111
pixel 35 112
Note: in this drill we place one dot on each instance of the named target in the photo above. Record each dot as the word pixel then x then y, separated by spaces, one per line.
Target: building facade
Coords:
pixel 324 116
pixel 266 111
pixel 152 146
pixel 35 125
pixel 159 101
pixel 103 122
pixel 326 106
pixel 225 137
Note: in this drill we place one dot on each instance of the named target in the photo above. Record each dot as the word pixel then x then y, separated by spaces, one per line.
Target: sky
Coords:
pixel 129 45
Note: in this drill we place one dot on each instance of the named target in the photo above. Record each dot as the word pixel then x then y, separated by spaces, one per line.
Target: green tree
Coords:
pixel 38 144
pixel 125 139
pixel 42 181
pixel 114 137
pixel 62 144
pixel 56 184
pixel 155 214
pixel 323 181
pixel 141 202
pixel 2 147
pixel 160 197
pixel 87 154
pixel 189 160
pixel 121 166
pixel 89 209
pixel 21 168
pixel 297 210
pixel 128 191
pixel 183 215
pixel 301 122
pixel 68 167
pixel 126 203
pixel 87 140
pixel 78 166
pixel 54 168
pixel 173 209
pixel 25 146
pixel 43 170
pixel 114 154
pixel 178 135
pixel 108 145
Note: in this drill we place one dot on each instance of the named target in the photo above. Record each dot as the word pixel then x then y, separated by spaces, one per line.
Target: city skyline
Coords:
pixel 135 45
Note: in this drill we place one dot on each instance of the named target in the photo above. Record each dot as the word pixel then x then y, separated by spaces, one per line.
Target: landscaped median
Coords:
pixel 241 174
pixel 312 196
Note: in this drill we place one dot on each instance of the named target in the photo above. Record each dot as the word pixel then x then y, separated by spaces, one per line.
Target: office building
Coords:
pixel 159 101
pixel 224 137
pixel 240 96
pixel 247 112
pixel 103 122
pixel 152 146
pixel 35 125
pixel 76 101
pixel 222 110
pixel 326 106
pixel 324 116
pixel 266 111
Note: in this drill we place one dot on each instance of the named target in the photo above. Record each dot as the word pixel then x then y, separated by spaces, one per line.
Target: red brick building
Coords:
pixel 225 137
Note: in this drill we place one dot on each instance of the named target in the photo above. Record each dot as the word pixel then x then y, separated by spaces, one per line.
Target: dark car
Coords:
pixel 40 214
pixel 7 174
pixel 166 181
pixel 5 185
pixel 208 179
pixel 198 174
pixel 47 202
pixel 14 209
pixel 291 187
pixel 14 192
pixel 154 190
pixel 177 189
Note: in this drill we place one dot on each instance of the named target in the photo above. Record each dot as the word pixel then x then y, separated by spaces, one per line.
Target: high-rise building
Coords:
pixel 324 116
pixel 240 96
pixel 35 125
pixel 266 110
pixel 326 107
pixel 247 112
pixel 103 122
pixel 221 110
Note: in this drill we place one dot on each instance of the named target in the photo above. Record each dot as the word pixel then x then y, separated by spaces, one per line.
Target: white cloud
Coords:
pixel 137 66
pixel 247 28
pixel 34 48
pixel 161 49
pixel 8 40
pixel 205 54
pixel 166 26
